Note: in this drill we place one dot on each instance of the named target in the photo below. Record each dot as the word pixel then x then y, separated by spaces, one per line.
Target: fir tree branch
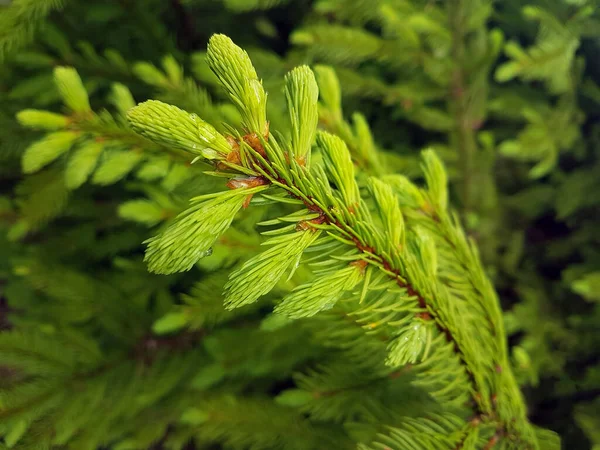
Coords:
pixel 359 386
pixel 371 256
pixel 464 253
pixel 341 215
pixel 20 20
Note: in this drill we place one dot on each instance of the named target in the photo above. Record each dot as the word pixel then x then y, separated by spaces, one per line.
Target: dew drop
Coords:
pixel 194 117
pixel 209 153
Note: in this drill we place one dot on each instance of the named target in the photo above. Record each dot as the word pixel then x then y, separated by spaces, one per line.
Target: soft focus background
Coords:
pixel 507 93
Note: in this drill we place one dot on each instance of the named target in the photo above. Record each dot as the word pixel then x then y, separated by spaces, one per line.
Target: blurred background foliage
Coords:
pixel 507 92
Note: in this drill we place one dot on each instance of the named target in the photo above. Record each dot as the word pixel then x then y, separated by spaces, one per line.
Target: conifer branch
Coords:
pixel 258 160
pixel 20 20
pixel 464 253
pixel 105 144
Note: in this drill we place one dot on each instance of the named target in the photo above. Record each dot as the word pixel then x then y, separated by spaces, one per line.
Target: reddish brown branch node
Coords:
pixel 233 157
pixel 304 225
pixel 254 141
pixel 249 182
pixel 247 201
pixel 492 442
pixel 361 264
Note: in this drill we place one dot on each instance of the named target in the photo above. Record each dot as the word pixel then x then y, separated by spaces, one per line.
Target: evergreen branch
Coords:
pixel 238 423
pixel 103 147
pixel 552 57
pixel 20 21
pixel 82 120
pixel 334 207
pixel 464 253
pixel 55 407
pixel 505 386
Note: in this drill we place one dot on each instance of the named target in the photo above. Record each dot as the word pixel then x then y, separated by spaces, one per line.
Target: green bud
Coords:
pixel 42 119
pixel 173 127
pixel 302 95
pixel 71 89
pixel 234 69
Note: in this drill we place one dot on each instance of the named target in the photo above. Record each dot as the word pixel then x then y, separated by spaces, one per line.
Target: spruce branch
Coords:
pixel 102 146
pixel 20 21
pixel 469 281
pixel 61 378
pixel 552 56
pixel 336 216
